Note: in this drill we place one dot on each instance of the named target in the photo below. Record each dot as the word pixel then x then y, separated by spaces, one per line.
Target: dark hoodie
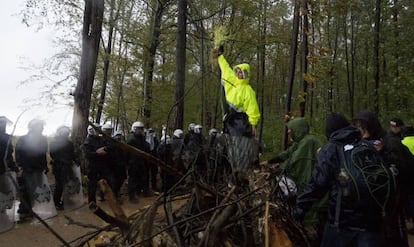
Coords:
pixel 325 179
pixel 373 124
pixel 334 122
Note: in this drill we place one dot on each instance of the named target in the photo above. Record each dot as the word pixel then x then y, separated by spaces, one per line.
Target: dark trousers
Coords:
pixel 94 175
pixel 237 124
pixel 25 205
pixel 154 173
pixel 334 237
pixel 119 172
pixel 59 183
pixel 138 179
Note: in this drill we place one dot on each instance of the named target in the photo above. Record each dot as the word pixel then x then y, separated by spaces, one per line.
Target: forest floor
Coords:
pixel 33 234
pixel 36 235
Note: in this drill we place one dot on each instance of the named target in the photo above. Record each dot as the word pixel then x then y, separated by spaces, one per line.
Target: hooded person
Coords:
pixel 241 109
pixel 298 160
pixel 334 122
pixel 396 155
pixel 349 223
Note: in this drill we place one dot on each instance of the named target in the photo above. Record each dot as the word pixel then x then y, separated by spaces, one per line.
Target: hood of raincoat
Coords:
pixel 246 73
pixel 299 128
pixel 334 122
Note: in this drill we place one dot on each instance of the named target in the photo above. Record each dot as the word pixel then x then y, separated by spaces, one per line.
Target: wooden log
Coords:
pixel 278 237
pixel 266 224
pixel 135 151
pixel 113 203
pixel 106 217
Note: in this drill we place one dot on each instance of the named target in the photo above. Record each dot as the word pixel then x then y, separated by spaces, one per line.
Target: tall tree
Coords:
pixel 149 60
pixel 376 55
pixel 180 64
pixel 304 60
pixel 91 34
pixel 292 65
pixel 106 58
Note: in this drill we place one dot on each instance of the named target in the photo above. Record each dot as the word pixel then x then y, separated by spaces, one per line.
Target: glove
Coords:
pixel 217 52
pixel 214 53
pixel 221 49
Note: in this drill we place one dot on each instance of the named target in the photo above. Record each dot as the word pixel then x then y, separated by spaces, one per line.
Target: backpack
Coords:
pixel 364 179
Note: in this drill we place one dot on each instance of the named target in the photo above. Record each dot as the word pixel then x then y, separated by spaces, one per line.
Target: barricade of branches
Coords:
pixel 212 205
pixel 194 213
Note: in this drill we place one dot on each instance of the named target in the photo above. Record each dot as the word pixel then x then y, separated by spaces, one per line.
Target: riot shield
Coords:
pixel 41 195
pixel 72 192
pixel 7 198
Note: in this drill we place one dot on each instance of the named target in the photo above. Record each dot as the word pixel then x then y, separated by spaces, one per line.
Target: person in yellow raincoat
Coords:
pixel 241 109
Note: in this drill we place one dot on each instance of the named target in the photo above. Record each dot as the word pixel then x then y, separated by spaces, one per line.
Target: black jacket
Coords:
pixel 62 152
pixel 138 142
pixel 89 147
pixel 31 153
pixel 353 215
pixel 4 140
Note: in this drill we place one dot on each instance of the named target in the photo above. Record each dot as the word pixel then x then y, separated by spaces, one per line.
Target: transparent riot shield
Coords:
pixel 7 199
pixel 72 192
pixel 41 195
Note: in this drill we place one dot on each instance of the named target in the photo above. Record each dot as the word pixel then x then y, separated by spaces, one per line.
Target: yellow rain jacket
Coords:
pixel 239 94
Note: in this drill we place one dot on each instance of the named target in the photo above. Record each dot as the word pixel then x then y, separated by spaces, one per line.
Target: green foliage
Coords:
pixel 340 59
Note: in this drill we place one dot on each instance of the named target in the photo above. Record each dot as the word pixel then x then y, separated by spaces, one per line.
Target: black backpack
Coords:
pixel 364 178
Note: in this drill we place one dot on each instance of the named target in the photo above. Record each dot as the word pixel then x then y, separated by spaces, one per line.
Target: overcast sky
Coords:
pixel 21 46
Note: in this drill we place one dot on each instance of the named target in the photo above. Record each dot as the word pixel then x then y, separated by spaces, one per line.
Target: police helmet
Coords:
pixel 63 131
pixel 36 125
pixel 178 133
pixel 198 128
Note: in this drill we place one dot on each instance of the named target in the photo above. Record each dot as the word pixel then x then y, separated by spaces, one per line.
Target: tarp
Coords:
pixel 242 152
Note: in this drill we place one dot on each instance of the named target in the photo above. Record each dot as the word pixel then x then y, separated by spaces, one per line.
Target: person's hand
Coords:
pixel 254 131
pixel 101 151
pixel 46 170
pixel 221 50
pixel 215 53
pixel 264 163
pixel 378 145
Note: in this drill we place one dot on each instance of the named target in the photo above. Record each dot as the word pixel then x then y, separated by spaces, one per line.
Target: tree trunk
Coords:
pixel 180 64
pixel 108 52
pixel 348 80
pixel 376 54
pixel 91 34
pixel 304 60
pixel 262 56
pixel 149 62
pixel 292 66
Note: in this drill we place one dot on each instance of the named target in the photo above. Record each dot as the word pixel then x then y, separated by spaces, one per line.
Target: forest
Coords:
pixel 150 60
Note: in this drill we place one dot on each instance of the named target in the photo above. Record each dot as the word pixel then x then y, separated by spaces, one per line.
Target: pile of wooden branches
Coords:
pixel 250 212
pixel 206 207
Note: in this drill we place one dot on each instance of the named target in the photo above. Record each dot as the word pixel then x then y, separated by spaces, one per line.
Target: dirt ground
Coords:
pixel 36 235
